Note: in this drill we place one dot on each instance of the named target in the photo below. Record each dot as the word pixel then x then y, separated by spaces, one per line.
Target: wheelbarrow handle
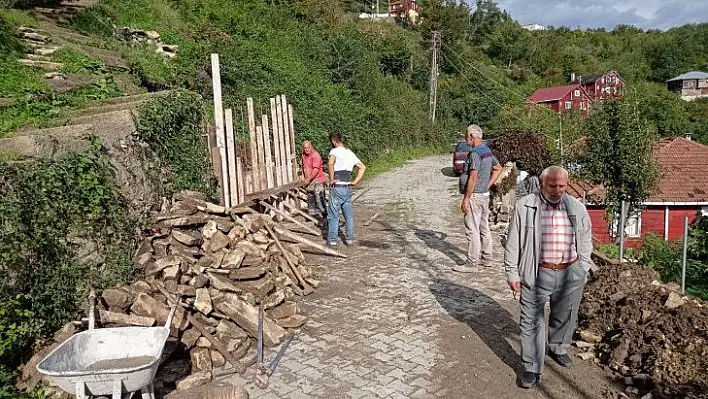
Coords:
pixel 168 323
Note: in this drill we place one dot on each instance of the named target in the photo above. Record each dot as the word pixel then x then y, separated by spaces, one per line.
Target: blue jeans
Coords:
pixel 340 197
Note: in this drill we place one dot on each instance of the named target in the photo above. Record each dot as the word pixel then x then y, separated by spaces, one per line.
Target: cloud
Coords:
pixel 647 14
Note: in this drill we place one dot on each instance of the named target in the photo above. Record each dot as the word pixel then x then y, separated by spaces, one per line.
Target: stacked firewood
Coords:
pixel 222 266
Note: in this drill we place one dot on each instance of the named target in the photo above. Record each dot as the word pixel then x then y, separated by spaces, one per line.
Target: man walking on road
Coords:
pixel 314 179
pixel 481 171
pixel 341 164
pixel 547 257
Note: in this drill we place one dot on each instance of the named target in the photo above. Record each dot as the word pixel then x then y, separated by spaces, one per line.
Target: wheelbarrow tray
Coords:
pixel 101 357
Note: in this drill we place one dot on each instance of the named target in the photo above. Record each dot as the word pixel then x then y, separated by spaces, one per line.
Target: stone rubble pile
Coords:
pixel 149 37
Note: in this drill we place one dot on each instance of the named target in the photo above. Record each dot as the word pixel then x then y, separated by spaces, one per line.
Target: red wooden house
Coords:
pixel 403 6
pixel 682 191
pixel 605 86
pixel 563 99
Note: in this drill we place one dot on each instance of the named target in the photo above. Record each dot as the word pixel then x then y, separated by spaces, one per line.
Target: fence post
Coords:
pixel 621 231
pixel 685 253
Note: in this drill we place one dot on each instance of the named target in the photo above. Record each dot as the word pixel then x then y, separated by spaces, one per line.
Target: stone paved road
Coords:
pixel 394 321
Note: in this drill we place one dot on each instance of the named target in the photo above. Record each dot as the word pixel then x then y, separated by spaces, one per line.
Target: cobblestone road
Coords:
pixel 394 321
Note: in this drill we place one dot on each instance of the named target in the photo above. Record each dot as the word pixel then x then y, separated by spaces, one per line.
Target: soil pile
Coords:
pixel 647 331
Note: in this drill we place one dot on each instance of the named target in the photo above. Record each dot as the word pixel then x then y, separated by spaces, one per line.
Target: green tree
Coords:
pixel 619 152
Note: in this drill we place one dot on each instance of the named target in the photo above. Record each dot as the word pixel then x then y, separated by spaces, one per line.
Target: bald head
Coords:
pixel 306 147
pixel 554 182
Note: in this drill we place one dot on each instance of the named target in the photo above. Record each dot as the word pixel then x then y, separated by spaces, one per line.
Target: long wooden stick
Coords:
pixel 281 139
pixel 290 218
pixel 219 121
pixel 241 184
pixel 291 129
pixel 263 169
pixel 287 233
pixel 276 142
pixel 300 212
pixel 289 150
pixel 255 167
pixel 231 158
pixel 268 152
pixel 371 219
pixel 293 268
pixel 238 367
pixel 356 197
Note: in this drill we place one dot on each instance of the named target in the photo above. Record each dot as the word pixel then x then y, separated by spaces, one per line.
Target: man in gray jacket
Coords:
pixel 547 257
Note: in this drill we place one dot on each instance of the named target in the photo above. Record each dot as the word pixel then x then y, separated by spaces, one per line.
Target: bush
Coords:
pixel 173 125
pixel 529 150
pixel 50 209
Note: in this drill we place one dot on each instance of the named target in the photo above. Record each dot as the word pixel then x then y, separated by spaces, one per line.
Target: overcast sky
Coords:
pixel 647 14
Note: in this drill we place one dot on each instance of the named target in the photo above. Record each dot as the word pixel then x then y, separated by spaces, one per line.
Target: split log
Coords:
pixel 293 268
pixel 299 211
pixel 371 219
pixel 284 232
pixel 290 218
pixel 238 367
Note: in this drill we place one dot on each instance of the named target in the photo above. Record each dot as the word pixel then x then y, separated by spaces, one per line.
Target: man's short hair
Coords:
pixel 553 170
pixel 474 131
pixel 336 136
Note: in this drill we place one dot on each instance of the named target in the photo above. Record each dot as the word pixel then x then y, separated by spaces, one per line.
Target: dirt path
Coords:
pixel 394 320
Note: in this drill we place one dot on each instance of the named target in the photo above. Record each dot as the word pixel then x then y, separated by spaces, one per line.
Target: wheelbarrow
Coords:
pixel 108 361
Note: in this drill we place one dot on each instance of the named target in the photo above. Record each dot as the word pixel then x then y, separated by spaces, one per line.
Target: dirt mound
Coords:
pixel 648 332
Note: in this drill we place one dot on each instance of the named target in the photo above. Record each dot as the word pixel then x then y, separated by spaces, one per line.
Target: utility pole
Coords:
pixel 434 76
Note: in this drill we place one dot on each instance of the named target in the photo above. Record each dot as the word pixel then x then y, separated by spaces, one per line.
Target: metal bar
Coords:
pixel 281 352
pixel 621 230
pixel 685 253
pixel 259 349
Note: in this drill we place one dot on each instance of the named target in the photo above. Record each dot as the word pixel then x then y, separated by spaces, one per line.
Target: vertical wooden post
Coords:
pixel 281 137
pixel 263 171
pixel 219 121
pixel 231 156
pixel 252 144
pixel 282 155
pixel 286 139
pixel 292 139
pixel 276 142
pixel 268 154
pixel 241 182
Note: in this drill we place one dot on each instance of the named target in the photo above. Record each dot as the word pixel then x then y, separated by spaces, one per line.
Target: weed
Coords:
pixel 79 63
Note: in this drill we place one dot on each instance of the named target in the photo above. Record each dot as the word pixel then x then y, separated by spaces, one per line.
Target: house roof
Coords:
pixel 554 93
pixel 586 80
pixel 689 76
pixel 684 177
pixel 683 168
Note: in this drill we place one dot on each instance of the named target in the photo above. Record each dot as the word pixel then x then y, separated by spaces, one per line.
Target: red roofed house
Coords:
pixel 682 191
pixel 605 86
pixel 563 98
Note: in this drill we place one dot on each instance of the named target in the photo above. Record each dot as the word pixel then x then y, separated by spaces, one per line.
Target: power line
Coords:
pixel 434 77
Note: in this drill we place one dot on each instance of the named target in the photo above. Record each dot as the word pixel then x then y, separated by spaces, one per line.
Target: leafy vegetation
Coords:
pixel 79 63
pixel 173 126
pixel 64 229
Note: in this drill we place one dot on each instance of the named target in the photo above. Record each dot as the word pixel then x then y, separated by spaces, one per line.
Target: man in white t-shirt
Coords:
pixel 341 164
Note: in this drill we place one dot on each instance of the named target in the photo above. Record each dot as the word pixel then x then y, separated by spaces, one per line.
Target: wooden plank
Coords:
pixel 286 138
pixel 301 240
pixel 240 184
pixel 252 199
pixel 216 164
pixel 281 139
pixel 231 156
pixel 296 209
pixel 292 140
pixel 285 216
pixel 255 168
pixel 263 170
pixel 270 178
pixel 290 263
pixel 276 143
pixel 219 121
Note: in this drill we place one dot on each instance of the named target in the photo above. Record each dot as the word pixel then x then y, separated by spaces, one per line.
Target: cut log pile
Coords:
pixel 222 265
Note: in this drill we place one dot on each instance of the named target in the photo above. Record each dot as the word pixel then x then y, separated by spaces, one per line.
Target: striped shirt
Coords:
pixel 557 235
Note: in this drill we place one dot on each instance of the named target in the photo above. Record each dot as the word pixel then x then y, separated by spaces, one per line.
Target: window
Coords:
pixel 568 105
pixel 704 211
pixel 582 106
pixel 632 227
pixel 576 93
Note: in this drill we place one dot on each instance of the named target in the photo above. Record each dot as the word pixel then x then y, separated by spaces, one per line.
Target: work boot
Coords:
pixel 562 359
pixel 529 380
